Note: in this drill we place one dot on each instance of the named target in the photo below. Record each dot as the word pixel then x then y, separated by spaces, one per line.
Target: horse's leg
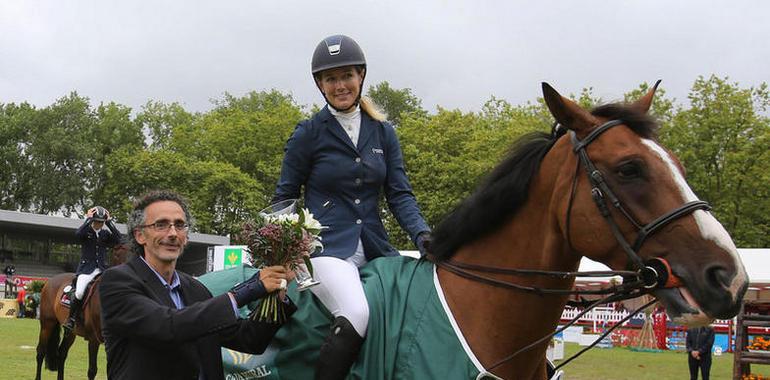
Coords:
pixel 64 349
pixel 47 343
pixel 93 352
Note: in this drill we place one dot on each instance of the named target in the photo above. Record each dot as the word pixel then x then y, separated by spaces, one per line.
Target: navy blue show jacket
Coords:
pixel 93 246
pixel 343 183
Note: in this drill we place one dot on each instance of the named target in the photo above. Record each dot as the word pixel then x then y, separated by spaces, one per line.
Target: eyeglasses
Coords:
pixel 165 225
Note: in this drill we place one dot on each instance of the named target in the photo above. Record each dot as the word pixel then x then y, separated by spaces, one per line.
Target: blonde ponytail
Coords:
pixel 372 109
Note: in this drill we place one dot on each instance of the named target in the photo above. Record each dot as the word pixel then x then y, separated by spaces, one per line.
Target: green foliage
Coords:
pixel 69 156
pixel 396 103
pixel 16 186
pixel 158 120
pixel 220 195
pixel 448 153
pixel 722 140
pixel 35 286
pixel 248 132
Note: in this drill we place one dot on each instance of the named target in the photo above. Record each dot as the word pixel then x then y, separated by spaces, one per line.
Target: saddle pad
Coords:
pixel 410 335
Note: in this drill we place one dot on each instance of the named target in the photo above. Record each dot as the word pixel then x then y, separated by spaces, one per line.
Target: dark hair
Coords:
pixel 496 200
pixel 136 218
pixel 506 188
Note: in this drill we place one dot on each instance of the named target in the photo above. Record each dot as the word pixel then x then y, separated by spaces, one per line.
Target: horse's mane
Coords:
pixel 505 189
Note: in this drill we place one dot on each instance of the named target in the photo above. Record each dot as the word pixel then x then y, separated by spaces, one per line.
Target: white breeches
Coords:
pixel 82 282
pixel 340 289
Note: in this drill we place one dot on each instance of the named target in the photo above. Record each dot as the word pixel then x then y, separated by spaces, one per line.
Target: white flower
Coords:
pixel 311 224
pixel 290 218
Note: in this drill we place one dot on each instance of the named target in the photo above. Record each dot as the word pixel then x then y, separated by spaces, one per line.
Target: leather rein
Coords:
pixel 641 279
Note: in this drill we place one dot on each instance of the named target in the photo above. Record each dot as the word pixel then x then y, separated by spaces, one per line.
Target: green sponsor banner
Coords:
pixel 233 257
pixel 243 366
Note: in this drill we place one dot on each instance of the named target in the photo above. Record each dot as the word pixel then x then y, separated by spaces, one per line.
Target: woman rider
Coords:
pixel 346 156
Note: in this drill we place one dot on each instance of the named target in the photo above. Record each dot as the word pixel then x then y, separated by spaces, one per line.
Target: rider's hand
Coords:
pixel 423 243
pixel 90 213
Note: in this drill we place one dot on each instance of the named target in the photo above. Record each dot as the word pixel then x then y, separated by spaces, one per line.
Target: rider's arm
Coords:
pixel 115 235
pixel 82 232
pixel 398 190
pixel 296 164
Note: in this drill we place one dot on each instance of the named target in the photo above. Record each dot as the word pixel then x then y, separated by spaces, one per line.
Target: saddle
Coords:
pixel 69 291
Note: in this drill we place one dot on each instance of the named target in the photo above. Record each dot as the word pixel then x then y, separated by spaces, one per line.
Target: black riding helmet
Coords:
pixel 100 214
pixel 337 51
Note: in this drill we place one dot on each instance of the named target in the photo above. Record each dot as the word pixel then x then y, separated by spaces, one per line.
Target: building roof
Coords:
pixel 62 229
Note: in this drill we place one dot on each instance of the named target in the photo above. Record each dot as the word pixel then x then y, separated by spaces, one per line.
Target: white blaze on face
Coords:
pixel 709 227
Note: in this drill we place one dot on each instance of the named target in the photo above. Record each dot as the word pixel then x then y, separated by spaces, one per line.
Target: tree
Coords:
pixel 16 186
pixel 247 132
pixel 60 146
pixel 158 120
pixel 396 103
pixel 722 140
pixel 221 196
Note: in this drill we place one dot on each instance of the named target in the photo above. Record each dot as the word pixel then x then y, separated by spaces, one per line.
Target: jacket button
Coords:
pixel 358 181
pixel 358 221
pixel 357 201
pixel 358 159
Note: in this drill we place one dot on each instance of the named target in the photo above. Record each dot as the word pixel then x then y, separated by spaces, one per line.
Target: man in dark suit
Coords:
pixel 699 343
pixel 96 234
pixel 159 323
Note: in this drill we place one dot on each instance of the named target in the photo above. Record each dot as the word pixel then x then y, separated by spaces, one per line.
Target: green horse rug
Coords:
pixel 411 333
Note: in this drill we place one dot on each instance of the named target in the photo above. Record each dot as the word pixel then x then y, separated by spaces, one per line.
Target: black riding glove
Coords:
pixel 249 290
pixel 423 243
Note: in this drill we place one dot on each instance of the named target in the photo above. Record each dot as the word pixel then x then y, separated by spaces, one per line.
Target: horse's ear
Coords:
pixel 644 103
pixel 566 112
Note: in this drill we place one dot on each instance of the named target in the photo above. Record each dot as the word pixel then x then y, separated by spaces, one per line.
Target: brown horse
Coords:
pixel 599 186
pixel 53 315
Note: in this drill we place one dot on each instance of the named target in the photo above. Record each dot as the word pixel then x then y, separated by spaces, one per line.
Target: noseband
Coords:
pixel 641 279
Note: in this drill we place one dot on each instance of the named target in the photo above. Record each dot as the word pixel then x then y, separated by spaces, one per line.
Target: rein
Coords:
pixel 644 277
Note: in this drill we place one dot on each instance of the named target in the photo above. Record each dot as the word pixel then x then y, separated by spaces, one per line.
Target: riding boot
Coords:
pixel 74 312
pixel 339 351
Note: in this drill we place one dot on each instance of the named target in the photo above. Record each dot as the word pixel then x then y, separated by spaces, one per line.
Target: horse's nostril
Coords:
pixel 718 276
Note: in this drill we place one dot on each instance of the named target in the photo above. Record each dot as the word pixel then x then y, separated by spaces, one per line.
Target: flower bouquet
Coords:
pixel 281 236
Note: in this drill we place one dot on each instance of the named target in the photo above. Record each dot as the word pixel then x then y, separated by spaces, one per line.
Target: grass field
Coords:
pixel 19 339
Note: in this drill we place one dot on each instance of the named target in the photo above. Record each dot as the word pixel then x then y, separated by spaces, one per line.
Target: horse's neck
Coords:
pixel 498 321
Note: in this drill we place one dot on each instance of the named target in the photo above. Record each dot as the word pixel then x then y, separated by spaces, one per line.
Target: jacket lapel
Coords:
pixel 368 128
pixel 335 128
pixel 151 280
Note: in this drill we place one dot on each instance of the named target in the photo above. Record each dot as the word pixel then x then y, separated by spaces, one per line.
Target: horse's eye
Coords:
pixel 629 170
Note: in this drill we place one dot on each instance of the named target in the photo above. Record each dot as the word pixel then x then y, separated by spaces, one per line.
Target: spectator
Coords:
pixel 700 340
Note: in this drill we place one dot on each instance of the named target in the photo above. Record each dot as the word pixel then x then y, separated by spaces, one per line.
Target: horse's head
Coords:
pixel 627 203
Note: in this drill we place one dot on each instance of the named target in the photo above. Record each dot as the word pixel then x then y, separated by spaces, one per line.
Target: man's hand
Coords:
pixel 695 354
pixel 90 213
pixel 274 278
pixel 267 280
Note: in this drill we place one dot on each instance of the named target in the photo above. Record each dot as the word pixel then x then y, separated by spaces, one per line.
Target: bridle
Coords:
pixel 642 277
pixel 601 194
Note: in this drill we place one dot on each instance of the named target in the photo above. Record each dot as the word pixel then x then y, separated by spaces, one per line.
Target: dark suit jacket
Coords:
pixel 146 337
pixel 700 339
pixel 93 247
pixel 343 183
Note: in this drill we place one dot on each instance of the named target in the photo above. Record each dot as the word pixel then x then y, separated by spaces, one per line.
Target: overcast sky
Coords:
pixel 456 54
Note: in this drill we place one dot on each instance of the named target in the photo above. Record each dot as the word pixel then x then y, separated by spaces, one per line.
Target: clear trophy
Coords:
pixel 304 278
